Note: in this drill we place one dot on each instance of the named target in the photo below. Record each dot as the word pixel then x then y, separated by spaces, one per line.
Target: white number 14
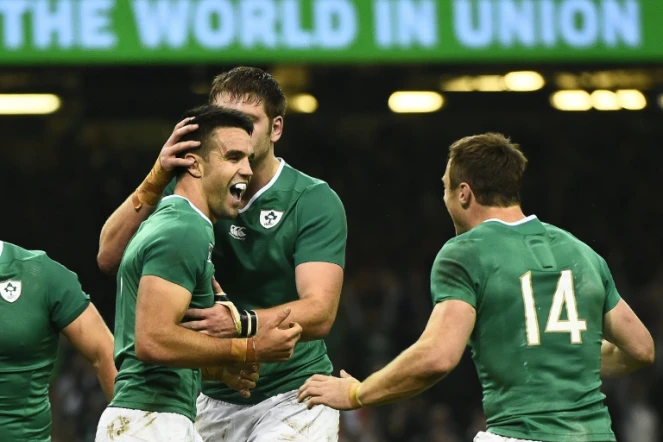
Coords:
pixel 564 297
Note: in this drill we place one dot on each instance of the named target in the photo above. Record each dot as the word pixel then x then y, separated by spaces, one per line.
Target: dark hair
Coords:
pixel 254 84
pixel 209 118
pixel 492 165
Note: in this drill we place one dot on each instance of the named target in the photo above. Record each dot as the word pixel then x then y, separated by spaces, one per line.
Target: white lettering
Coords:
pixel 294 36
pixel 547 19
pixel 469 34
pixel 517 23
pixel 95 24
pixel 12 14
pixel 383 23
pixel 258 19
pixel 206 33
pixel 335 23
pixel 49 25
pixel 579 36
pixel 621 23
pixel 417 23
pixel 163 22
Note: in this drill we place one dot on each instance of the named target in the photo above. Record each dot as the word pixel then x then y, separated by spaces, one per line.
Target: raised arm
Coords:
pixel 89 334
pixel 124 222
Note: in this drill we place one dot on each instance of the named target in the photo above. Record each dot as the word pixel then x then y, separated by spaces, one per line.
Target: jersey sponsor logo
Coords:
pixel 270 218
pixel 209 255
pixel 10 290
pixel 238 232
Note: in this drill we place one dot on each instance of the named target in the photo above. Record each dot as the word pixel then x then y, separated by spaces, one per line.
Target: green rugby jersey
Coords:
pixel 292 220
pixel 540 295
pixel 38 298
pixel 175 244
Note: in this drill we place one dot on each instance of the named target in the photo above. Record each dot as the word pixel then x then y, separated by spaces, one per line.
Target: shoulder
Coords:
pixel 12 252
pixel 177 216
pixel 38 260
pixel 301 182
pixel 591 256
pixel 173 231
pixel 462 249
pixel 564 235
pixel 310 191
pixel 51 270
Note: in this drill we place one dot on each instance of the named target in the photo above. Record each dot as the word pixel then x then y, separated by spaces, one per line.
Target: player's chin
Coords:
pixel 228 211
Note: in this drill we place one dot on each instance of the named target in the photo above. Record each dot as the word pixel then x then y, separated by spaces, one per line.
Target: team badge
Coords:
pixel 10 290
pixel 270 218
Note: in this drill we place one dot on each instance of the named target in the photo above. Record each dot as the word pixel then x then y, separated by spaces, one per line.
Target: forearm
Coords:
pixel 104 366
pixel 412 372
pixel 311 314
pixel 615 363
pixel 117 232
pixel 177 346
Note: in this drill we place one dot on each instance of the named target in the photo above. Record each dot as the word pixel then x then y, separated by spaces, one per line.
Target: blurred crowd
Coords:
pixel 595 175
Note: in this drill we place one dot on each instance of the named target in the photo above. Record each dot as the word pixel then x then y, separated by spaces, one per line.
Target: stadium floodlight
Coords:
pixel 464 83
pixel 631 99
pixel 604 100
pixel 29 104
pixel 303 103
pixel 524 81
pixel 489 83
pixel 415 101
pixel 477 83
pixel 571 100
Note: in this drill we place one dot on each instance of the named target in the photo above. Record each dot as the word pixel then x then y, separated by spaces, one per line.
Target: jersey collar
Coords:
pixel 515 223
pixel 265 188
pixel 192 206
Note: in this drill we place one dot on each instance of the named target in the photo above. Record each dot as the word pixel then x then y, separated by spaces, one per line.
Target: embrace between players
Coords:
pixel 537 306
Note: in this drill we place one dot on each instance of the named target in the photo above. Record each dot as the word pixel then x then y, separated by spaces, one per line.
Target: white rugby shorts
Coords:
pixel 126 425
pixel 280 417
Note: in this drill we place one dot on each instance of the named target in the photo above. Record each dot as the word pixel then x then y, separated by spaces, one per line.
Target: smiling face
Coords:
pixel 227 171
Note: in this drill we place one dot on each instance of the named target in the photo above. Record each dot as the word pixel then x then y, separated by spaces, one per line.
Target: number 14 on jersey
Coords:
pixel 564 297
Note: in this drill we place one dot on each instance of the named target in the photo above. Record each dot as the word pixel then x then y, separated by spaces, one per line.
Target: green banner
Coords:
pixel 312 31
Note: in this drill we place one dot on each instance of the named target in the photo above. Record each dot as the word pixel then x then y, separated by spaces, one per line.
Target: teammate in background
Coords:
pixel 534 303
pixel 167 269
pixel 286 248
pixel 39 300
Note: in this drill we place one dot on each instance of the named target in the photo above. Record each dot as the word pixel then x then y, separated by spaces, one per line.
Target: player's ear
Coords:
pixel 277 129
pixel 465 194
pixel 195 169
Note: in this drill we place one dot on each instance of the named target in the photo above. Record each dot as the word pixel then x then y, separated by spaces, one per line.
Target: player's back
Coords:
pixel 541 297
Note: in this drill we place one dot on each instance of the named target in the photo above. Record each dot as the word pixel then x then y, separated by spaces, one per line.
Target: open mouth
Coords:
pixel 237 190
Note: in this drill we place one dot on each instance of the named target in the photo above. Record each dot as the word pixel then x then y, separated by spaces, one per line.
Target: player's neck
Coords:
pixel 193 192
pixel 263 173
pixel 509 214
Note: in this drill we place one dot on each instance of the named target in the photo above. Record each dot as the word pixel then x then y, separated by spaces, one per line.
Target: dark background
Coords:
pixel 596 174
